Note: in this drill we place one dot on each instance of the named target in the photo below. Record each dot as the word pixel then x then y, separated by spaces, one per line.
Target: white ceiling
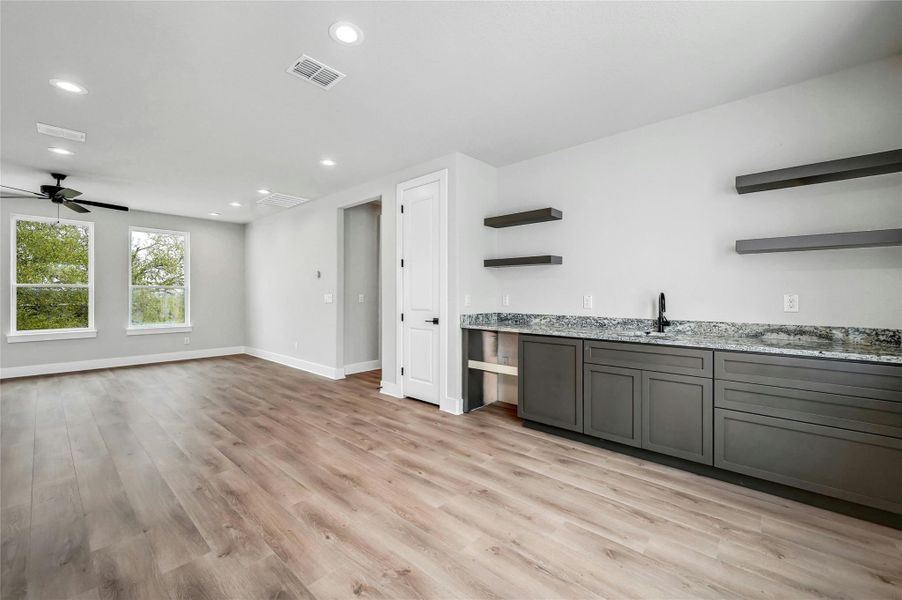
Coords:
pixel 189 106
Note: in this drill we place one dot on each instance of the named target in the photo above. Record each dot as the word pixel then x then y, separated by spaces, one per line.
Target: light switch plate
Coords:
pixel 467 300
pixel 790 303
pixel 327 298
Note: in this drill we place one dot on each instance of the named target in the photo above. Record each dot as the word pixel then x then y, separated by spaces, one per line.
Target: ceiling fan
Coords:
pixel 59 195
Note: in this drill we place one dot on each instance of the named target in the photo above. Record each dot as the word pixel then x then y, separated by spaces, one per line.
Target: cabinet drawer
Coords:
pixel 822 375
pixel 836 410
pixel 677 416
pixel 854 466
pixel 682 361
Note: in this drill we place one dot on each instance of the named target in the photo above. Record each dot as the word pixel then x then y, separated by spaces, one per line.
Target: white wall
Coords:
pixel 285 300
pixel 654 209
pixel 361 277
pixel 217 288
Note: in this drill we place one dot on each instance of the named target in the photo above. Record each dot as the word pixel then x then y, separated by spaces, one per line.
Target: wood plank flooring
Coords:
pixel 239 478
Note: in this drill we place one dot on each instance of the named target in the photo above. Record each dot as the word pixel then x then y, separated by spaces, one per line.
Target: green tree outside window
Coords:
pixel 52 277
pixel 159 278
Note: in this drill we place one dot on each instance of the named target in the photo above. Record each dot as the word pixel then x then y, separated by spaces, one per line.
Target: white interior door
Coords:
pixel 420 250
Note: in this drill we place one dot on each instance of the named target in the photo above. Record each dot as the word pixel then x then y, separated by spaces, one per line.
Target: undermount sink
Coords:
pixel 644 333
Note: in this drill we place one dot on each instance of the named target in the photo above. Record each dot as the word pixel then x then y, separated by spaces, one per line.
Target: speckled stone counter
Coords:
pixel 845 343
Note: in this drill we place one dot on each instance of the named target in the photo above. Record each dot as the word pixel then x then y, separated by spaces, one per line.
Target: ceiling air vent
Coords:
pixel 61 132
pixel 282 200
pixel 315 72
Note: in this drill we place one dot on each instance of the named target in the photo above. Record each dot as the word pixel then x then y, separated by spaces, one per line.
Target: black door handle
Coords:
pixel 433 320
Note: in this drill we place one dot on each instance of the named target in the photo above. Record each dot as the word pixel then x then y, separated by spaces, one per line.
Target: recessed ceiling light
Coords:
pixel 68 86
pixel 346 33
pixel 263 191
pixel 213 214
pixel 327 162
pixel 62 151
pixel 234 204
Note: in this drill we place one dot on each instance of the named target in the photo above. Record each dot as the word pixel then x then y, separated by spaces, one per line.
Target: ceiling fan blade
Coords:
pixel 69 193
pixel 76 207
pixel 9 187
pixel 29 197
pixel 104 205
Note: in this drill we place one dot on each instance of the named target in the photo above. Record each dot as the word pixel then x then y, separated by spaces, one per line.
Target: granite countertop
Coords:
pixel 845 343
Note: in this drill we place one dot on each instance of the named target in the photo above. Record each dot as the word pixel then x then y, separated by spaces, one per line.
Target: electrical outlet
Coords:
pixel 295 346
pixel 506 300
pixel 187 340
pixel 467 300
pixel 790 303
pixel 327 298
pixel 587 302
pixel 360 298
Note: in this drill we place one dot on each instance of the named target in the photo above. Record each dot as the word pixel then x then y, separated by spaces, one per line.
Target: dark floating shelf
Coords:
pixel 832 170
pixel 822 241
pixel 520 261
pixel 524 218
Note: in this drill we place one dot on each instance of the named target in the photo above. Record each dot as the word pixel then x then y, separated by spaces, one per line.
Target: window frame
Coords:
pixel 133 329
pixel 32 335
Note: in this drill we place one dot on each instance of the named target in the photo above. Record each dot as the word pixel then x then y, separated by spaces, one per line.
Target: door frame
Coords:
pixel 340 284
pixel 441 177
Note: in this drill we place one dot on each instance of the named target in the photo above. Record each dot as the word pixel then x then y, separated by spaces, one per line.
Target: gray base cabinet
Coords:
pixel 826 426
pixel 677 416
pixel 613 404
pixel 551 381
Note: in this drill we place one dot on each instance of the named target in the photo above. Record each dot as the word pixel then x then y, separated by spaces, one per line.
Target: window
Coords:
pixel 158 281
pixel 52 279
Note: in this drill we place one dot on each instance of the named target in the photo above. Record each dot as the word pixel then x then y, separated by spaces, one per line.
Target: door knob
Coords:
pixel 433 320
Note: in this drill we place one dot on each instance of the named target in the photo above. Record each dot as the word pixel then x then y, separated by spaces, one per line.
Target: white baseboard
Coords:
pixel 118 361
pixel 362 367
pixel 454 406
pixel 390 389
pixel 297 363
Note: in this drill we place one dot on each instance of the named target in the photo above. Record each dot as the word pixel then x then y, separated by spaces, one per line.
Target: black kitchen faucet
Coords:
pixel 662 320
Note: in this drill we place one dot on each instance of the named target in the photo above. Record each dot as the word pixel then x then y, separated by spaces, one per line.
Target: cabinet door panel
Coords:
pixel 860 467
pixel 612 404
pixel 677 416
pixel 551 381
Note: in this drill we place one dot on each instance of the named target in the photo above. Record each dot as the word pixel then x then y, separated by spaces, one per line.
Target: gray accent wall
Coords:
pixel 217 288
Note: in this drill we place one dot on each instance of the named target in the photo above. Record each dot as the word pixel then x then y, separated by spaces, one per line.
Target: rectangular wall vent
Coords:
pixel 282 200
pixel 62 132
pixel 315 72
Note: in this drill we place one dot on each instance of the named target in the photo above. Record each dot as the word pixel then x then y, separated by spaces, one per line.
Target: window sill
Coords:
pixel 158 329
pixel 46 336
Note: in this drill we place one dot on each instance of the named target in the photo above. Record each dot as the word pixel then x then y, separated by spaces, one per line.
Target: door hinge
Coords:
pixel 402 209
pixel 402 370
pixel 402 263
pixel 402 316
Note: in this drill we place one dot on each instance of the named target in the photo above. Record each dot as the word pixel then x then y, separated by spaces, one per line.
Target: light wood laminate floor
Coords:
pixel 239 478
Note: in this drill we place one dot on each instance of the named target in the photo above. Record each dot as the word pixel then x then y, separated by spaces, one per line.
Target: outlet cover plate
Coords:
pixel 791 303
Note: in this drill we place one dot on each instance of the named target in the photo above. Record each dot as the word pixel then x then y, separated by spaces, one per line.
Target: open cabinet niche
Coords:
pixel 490 368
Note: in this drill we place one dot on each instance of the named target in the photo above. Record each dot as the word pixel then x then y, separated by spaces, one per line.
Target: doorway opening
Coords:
pixel 361 308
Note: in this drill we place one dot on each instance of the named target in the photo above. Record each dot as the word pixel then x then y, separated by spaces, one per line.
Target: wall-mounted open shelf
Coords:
pixel 522 261
pixel 524 218
pixel 831 170
pixel 822 241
